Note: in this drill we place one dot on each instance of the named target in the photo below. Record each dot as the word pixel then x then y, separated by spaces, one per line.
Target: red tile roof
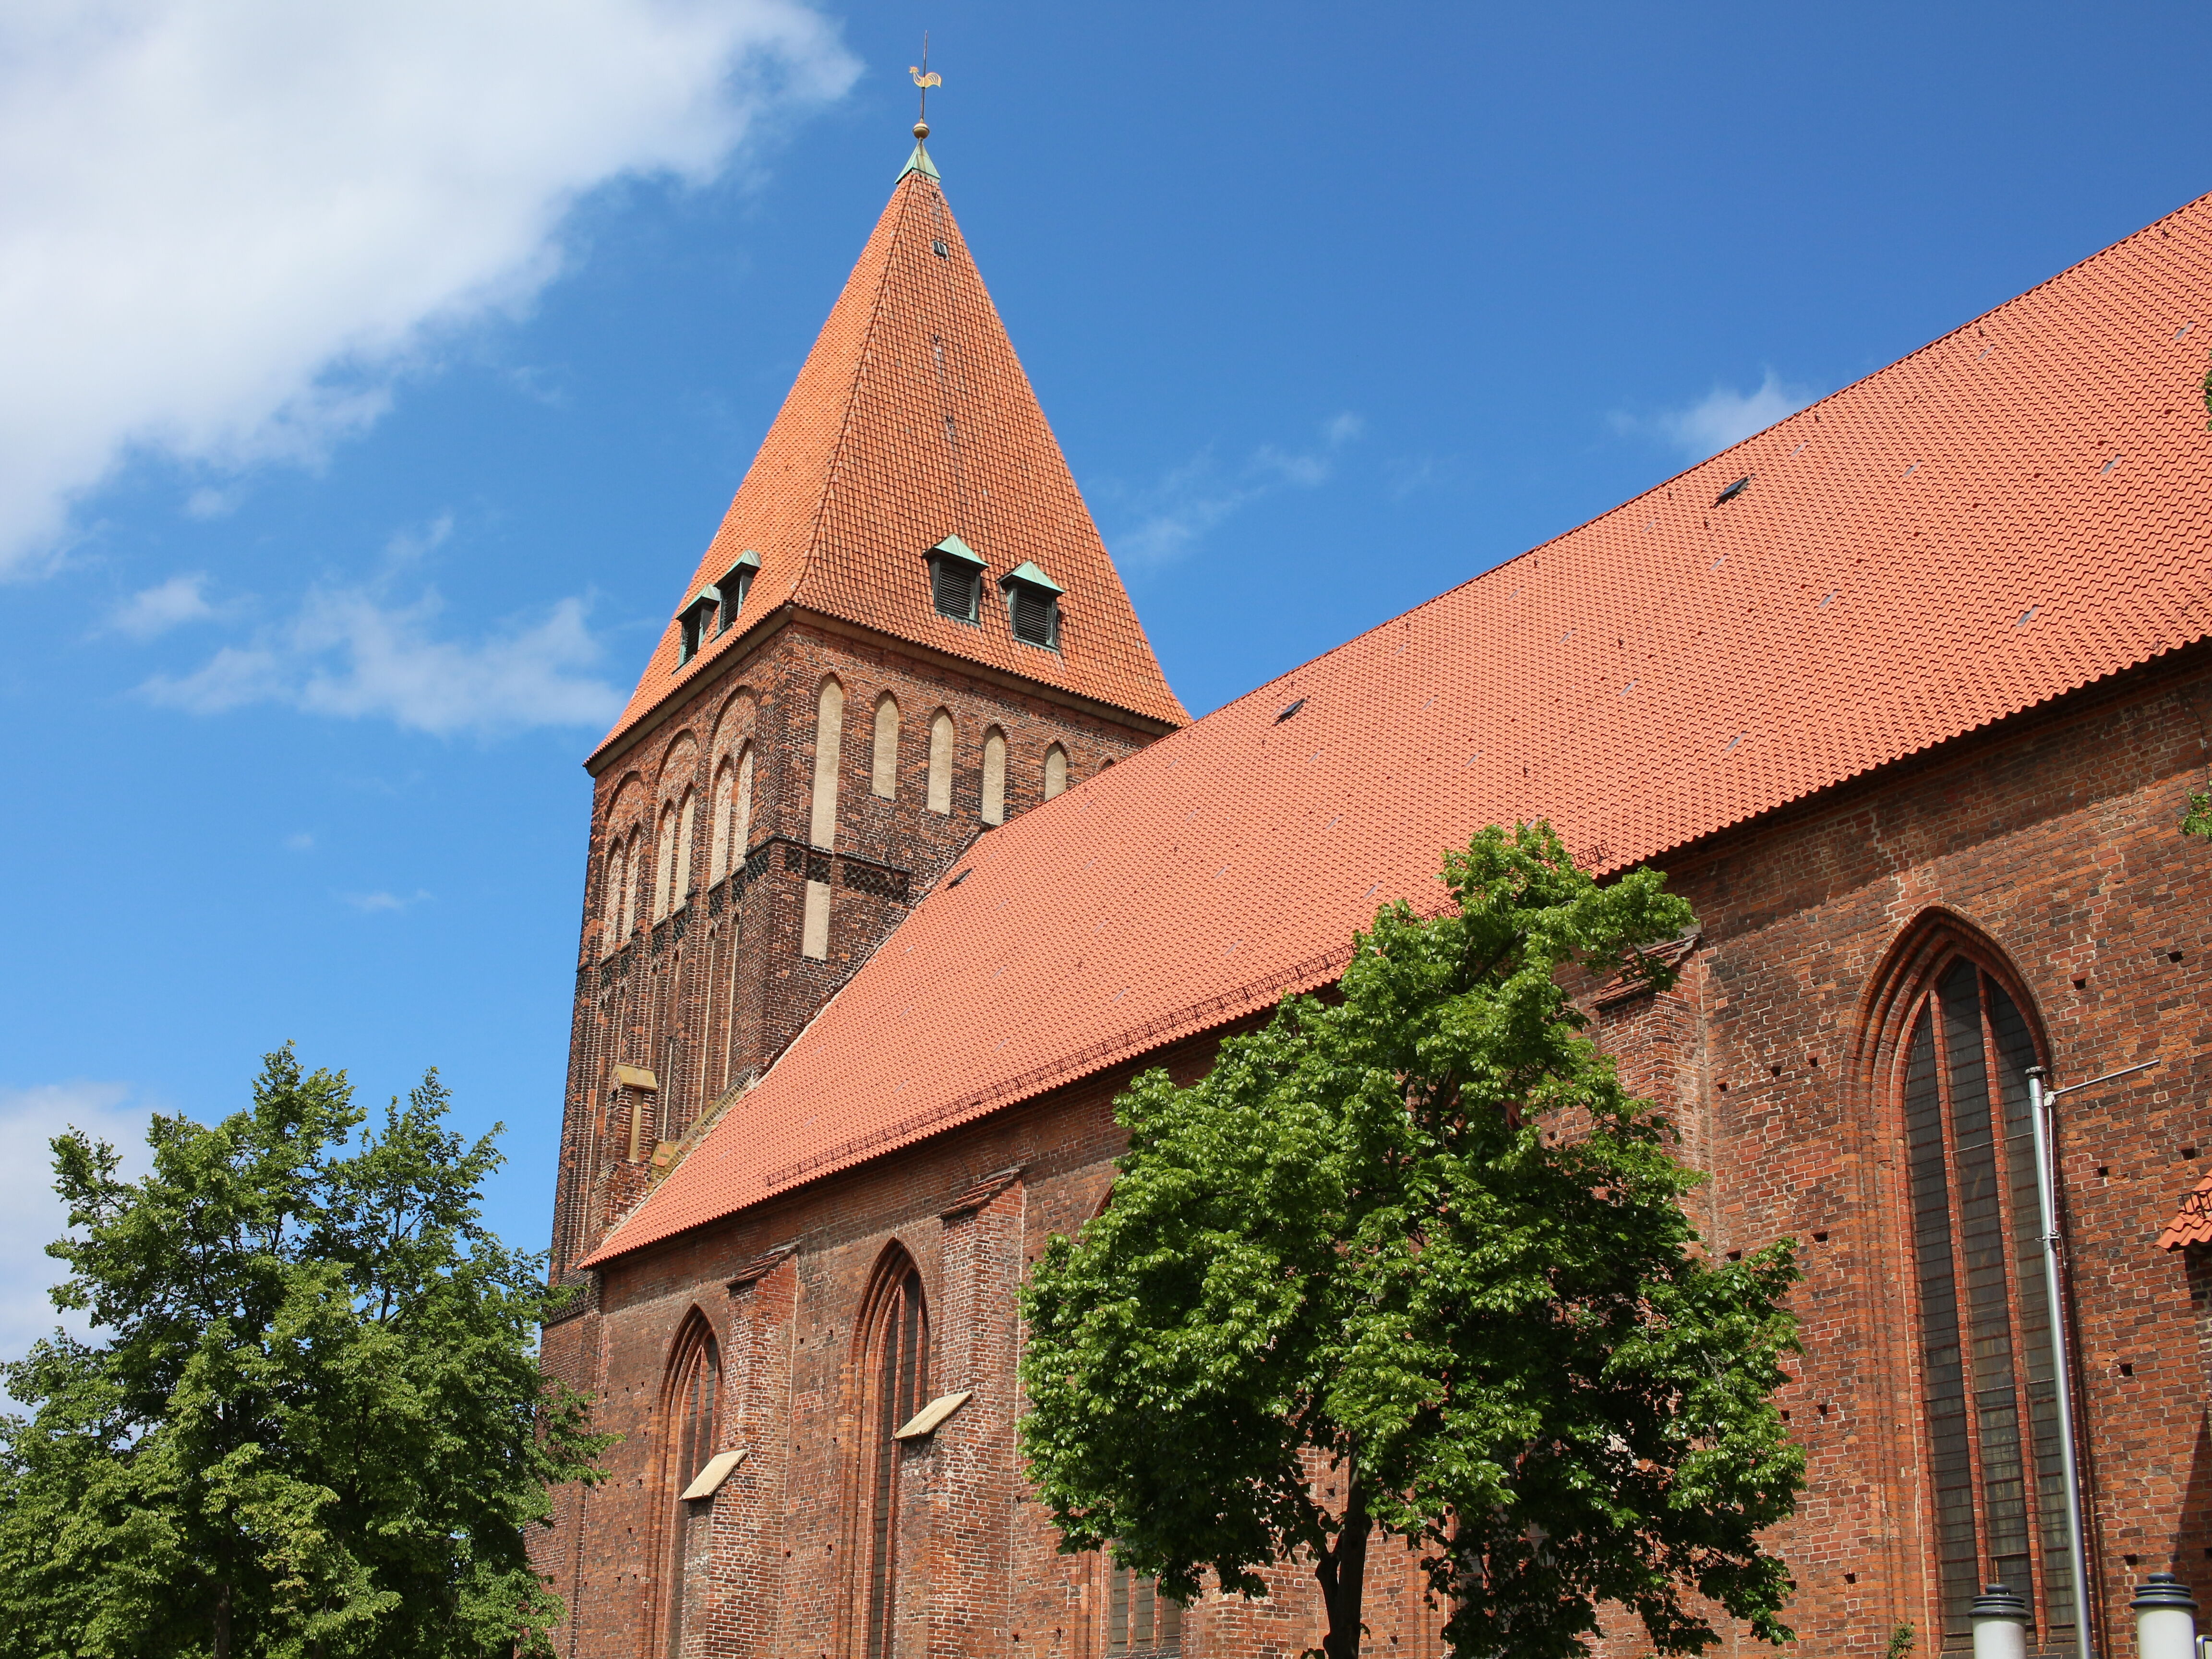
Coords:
pixel 2015 510
pixel 912 421
pixel 2192 1222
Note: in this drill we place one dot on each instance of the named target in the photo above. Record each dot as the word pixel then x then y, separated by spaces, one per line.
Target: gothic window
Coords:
pixel 1055 771
pixel 694 1377
pixel 1997 1495
pixel 718 850
pixel 632 873
pixel 828 744
pixel 1140 1622
pixel 886 779
pixel 741 808
pixel 685 815
pixel 611 900
pixel 896 1376
pixel 995 776
pixel 664 867
pixel 940 762
pixel 829 741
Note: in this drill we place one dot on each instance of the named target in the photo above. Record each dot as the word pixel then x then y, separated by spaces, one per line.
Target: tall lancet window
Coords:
pixel 896 1374
pixel 694 1382
pixel 822 823
pixel 1997 1495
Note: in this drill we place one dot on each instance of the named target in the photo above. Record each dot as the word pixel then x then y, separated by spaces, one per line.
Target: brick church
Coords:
pixel 903 859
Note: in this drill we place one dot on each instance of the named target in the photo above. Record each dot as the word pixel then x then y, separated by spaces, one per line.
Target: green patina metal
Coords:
pixel 953 548
pixel 1036 578
pixel 919 162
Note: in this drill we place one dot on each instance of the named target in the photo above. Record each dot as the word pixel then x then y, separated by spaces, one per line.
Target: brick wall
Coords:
pixel 708 997
pixel 2049 845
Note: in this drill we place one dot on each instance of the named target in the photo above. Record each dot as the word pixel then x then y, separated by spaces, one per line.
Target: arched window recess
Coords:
pixel 1957 1039
pixel 691 1472
pixel 894 1380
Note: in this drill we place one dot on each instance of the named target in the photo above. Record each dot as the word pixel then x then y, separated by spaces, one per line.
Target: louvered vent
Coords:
pixel 952 589
pixel 1034 615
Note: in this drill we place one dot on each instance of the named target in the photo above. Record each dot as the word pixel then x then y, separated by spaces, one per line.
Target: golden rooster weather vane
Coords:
pixel 925 80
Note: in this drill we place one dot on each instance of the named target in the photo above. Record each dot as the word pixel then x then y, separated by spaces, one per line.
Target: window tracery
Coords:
pixel 894 1373
pixel 1958 1074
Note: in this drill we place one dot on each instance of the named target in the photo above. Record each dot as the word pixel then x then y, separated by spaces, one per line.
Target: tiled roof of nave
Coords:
pixel 2014 512
pixel 912 419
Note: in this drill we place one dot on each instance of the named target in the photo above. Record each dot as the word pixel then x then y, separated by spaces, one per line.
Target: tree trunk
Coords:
pixel 223 1621
pixel 1342 1571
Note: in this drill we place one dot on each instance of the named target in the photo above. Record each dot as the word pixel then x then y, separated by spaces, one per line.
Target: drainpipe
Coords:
pixel 2041 1096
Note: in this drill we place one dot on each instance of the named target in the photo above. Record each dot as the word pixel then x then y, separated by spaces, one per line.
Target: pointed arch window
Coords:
pixel 1055 771
pixel 741 808
pixel 940 762
pixel 718 848
pixel 995 776
pixel 610 900
pixel 685 817
pixel 688 1415
pixel 895 1375
pixel 885 777
pixel 1989 1405
pixel 633 872
pixel 664 868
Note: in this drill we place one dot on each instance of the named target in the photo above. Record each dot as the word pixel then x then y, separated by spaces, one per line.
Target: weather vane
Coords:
pixel 925 80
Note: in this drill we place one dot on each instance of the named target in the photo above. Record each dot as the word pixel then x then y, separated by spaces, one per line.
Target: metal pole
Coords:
pixel 2062 1372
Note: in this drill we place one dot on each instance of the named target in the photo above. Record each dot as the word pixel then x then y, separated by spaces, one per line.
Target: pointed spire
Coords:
pixel 912 422
pixel 920 162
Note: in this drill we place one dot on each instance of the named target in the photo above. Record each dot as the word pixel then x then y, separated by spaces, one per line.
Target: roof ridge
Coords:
pixel 1813 407
pixel 862 360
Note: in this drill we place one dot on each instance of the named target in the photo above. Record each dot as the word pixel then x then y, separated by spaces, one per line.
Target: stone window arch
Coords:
pixel 940 762
pixel 884 777
pixel 894 1382
pixel 690 1400
pixel 1956 1034
pixel 995 776
pixel 1055 771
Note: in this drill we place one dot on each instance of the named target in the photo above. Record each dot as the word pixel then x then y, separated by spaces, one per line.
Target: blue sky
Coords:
pixel 370 382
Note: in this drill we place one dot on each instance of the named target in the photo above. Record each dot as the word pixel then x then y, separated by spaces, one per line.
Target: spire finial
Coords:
pixel 925 80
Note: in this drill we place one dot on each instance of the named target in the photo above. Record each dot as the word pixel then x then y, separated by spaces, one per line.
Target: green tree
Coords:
pixel 1410 1259
pixel 312 1421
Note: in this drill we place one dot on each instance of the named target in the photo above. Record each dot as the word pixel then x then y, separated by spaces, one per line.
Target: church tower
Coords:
pixel 906 631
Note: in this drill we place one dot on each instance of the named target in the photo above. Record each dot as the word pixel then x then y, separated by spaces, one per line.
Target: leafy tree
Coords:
pixel 2198 819
pixel 1410 1261
pixel 313 1422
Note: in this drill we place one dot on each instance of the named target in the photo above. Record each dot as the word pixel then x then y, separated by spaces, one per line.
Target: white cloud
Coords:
pixel 1176 513
pixel 1723 416
pixel 31 1216
pixel 300 840
pixel 226 225
pixel 370 904
pixel 348 653
pixel 157 609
